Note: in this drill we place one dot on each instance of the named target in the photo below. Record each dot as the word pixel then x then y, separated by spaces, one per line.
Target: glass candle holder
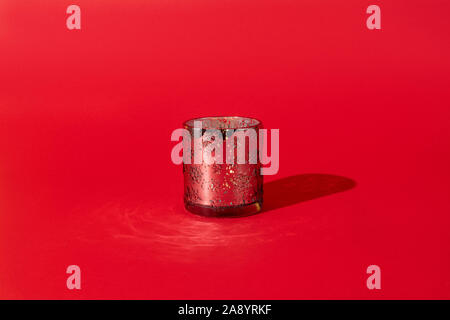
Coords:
pixel 222 171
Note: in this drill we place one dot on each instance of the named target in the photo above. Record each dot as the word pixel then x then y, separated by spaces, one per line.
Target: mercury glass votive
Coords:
pixel 233 187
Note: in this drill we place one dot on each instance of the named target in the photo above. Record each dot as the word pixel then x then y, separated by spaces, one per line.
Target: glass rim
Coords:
pixel 254 122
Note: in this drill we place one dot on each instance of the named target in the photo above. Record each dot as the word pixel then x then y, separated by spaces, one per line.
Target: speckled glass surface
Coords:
pixel 223 190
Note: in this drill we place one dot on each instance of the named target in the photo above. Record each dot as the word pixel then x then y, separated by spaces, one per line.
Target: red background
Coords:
pixel 85 170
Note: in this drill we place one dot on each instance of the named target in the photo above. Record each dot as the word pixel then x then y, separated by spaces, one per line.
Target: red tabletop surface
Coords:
pixel 86 176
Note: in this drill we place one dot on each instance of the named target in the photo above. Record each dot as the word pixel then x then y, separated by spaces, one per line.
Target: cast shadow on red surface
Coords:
pixel 302 187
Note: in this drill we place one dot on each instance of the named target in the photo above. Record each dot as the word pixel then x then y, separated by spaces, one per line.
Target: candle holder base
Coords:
pixel 225 212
